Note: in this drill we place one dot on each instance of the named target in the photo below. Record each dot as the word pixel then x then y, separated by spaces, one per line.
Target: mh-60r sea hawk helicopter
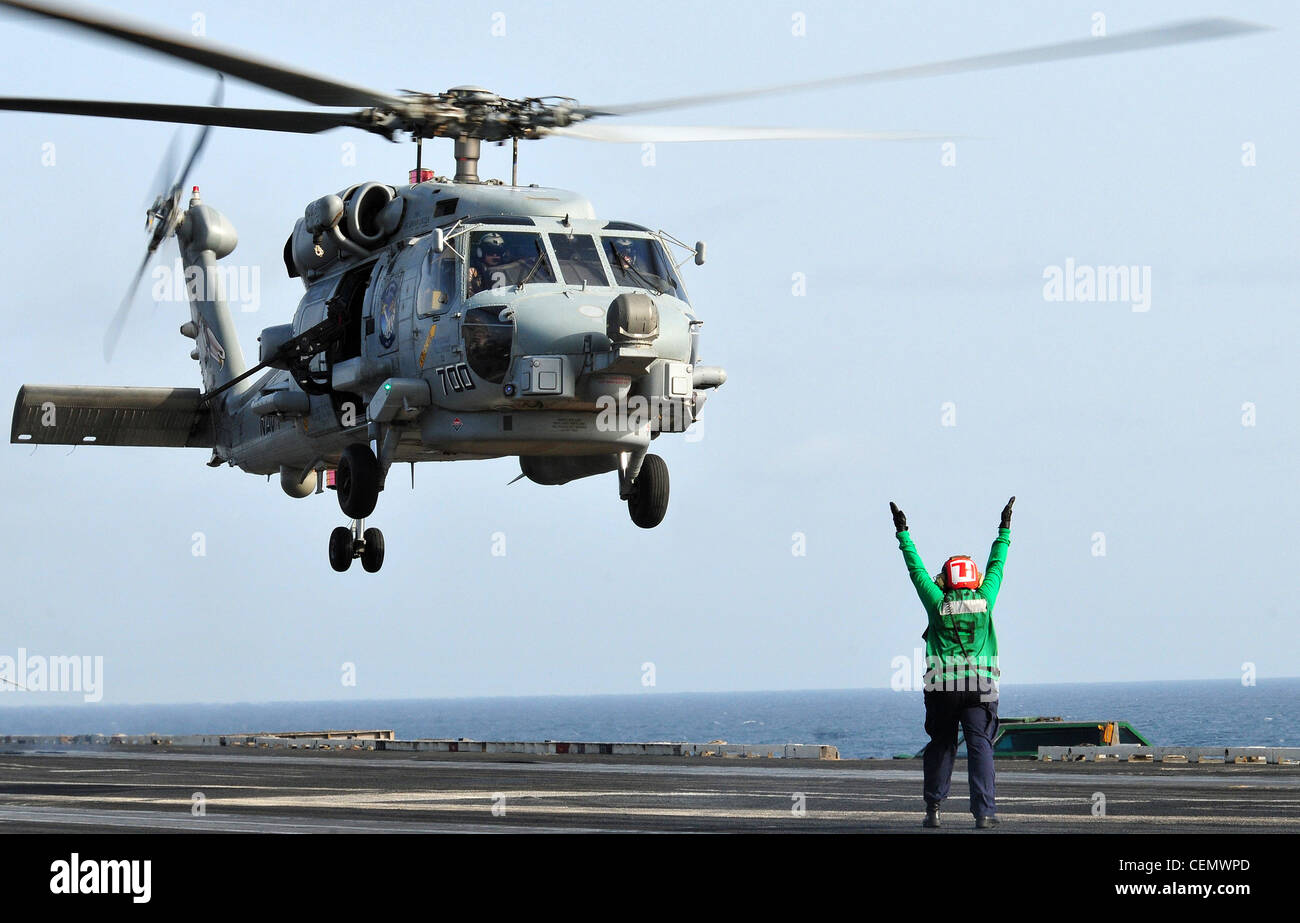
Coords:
pixel 443 319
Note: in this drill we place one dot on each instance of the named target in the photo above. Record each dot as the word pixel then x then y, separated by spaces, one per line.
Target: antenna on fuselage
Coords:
pixel 420 174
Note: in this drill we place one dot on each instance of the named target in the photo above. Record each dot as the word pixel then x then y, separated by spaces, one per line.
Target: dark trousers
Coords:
pixel 944 711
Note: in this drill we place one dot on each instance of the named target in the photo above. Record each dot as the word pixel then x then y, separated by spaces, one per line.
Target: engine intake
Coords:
pixel 367 219
pixel 354 223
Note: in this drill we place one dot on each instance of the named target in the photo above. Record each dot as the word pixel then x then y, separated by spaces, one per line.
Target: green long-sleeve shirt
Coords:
pixel 960 641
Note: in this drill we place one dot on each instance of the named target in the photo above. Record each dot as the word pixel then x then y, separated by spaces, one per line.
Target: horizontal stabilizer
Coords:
pixel 88 415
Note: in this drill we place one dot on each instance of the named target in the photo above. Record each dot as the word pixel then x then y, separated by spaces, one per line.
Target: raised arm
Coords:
pixel 926 588
pixel 997 556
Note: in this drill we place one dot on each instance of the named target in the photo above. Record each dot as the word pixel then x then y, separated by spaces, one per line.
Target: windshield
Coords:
pixel 639 262
pixel 578 259
pixel 500 260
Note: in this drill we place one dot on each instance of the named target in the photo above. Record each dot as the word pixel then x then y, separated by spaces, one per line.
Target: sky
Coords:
pixel 883 311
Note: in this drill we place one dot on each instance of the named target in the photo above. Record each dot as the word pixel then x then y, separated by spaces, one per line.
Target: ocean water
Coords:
pixel 860 722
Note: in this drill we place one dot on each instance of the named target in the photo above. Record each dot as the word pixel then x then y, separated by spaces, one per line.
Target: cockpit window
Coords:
pixel 501 260
pixel 579 260
pixel 437 281
pixel 639 262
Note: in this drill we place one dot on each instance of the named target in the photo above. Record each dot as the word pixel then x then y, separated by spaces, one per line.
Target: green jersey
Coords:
pixel 960 641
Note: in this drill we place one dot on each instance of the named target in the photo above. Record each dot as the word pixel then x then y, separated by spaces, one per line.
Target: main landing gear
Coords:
pixel 356 541
pixel 645 487
pixel 358 480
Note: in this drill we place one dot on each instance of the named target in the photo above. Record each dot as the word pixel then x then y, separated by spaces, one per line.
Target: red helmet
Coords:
pixel 960 572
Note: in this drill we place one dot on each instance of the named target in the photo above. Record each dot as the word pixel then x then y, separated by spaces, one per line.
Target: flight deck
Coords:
pixel 245 784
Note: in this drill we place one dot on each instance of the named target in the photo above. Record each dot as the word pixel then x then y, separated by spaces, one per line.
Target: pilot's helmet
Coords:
pixel 623 248
pixel 491 243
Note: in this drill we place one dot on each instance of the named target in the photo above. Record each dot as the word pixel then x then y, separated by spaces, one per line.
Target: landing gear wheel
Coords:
pixel 341 549
pixel 649 500
pixel 357 481
pixel 372 552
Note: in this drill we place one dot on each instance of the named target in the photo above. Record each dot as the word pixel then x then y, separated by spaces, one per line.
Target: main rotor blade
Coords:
pixel 114 331
pixel 306 86
pixel 301 121
pixel 639 134
pixel 1196 30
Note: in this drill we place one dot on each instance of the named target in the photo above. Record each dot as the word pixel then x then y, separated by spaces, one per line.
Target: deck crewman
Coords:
pixel 961 651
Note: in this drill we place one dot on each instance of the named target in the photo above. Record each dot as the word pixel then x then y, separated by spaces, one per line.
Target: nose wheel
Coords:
pixel 356 541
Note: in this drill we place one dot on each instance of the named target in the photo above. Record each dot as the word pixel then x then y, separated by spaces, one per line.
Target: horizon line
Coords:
pixel 649 691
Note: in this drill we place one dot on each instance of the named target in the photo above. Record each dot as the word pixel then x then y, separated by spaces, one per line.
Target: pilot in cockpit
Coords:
pixel 489 261
pixel 622 255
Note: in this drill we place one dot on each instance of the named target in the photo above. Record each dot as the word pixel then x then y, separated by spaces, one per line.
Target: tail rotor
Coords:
pixel 162 217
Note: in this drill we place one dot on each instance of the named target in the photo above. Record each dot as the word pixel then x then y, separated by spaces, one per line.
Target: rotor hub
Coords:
pixel 474 112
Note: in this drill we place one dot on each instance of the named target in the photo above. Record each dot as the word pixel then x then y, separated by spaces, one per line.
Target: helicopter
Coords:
pixel 447 318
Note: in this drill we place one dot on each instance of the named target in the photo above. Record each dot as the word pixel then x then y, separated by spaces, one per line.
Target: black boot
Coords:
pixel 931 816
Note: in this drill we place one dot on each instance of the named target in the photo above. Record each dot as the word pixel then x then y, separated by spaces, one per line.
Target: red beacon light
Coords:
pixel 420 175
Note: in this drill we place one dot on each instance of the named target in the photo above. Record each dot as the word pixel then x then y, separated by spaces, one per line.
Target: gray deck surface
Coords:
pixel 151 789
